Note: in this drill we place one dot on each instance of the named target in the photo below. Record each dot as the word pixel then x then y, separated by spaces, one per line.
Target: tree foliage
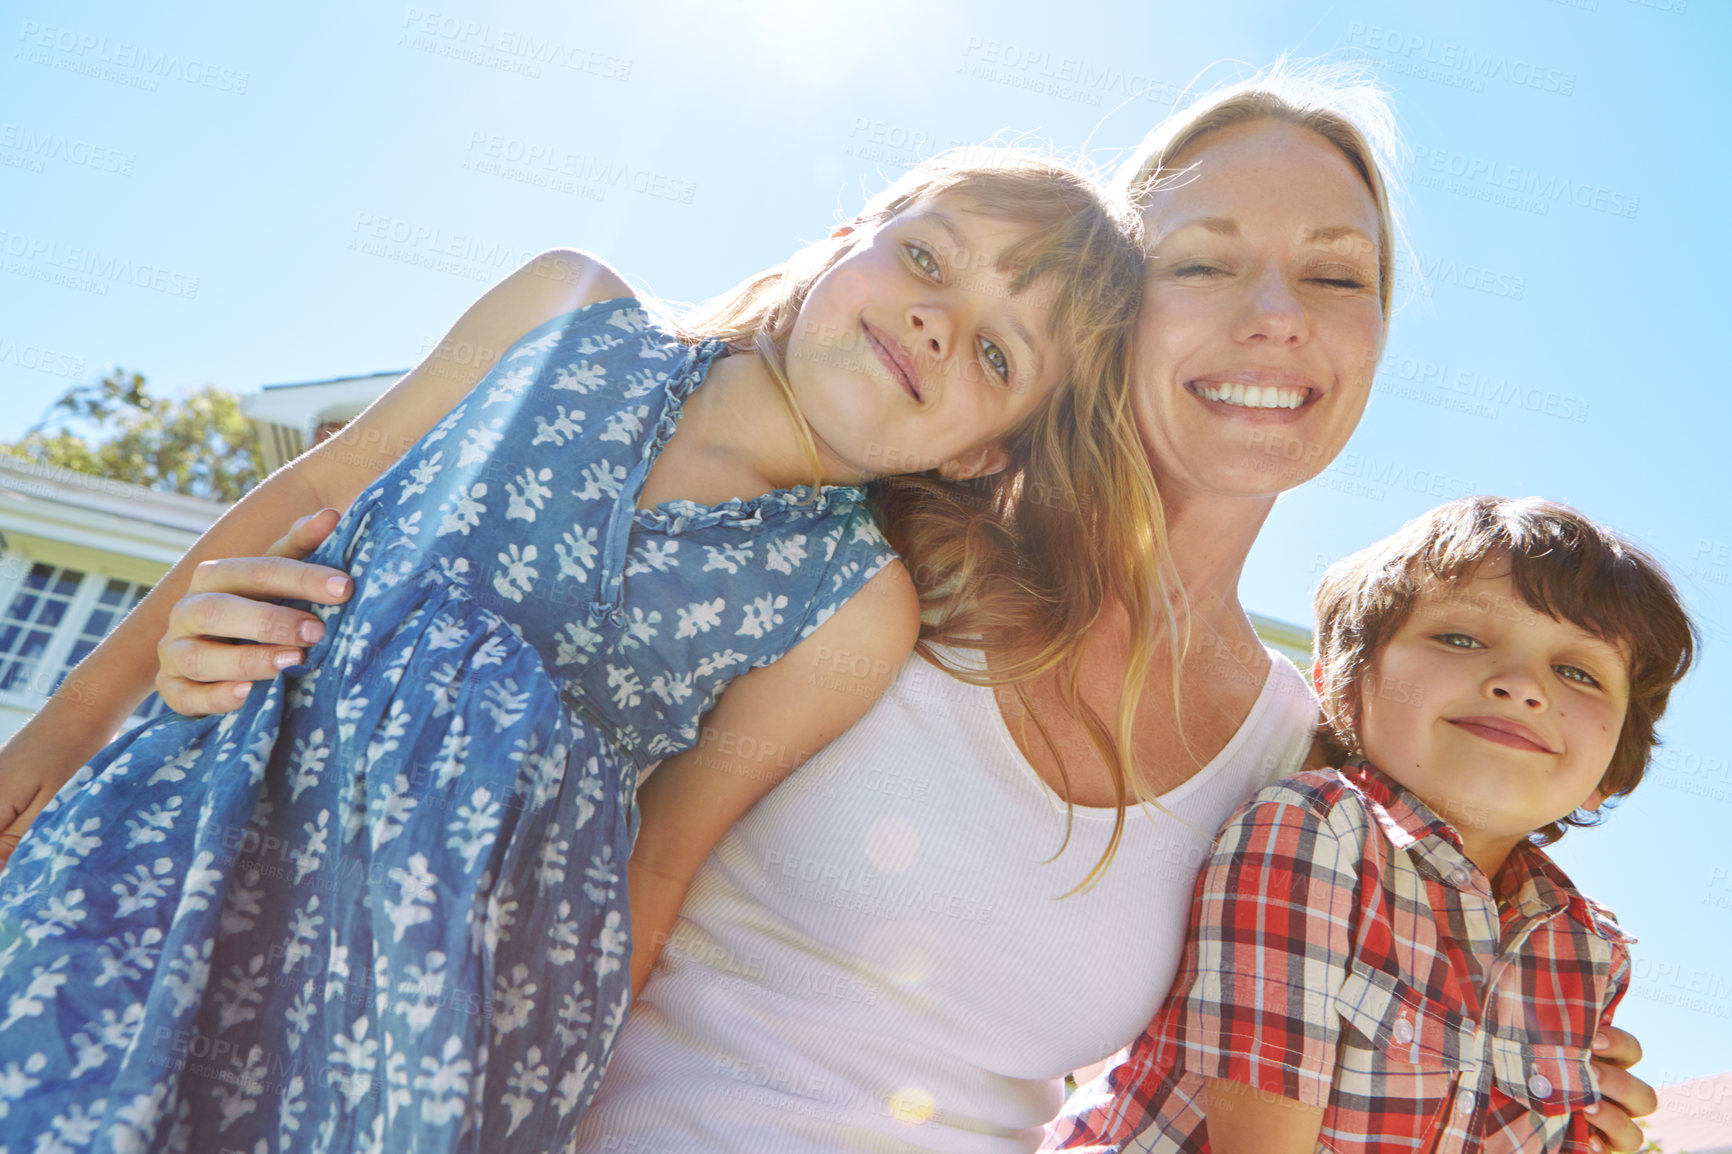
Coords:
pixel 199 445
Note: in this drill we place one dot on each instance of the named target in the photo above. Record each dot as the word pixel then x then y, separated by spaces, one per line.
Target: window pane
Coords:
pixel 102 617
pixel 35 642
pixel 116 598
pixel 39 614
pixel 30 623
pixel 79 652
pixel 151 708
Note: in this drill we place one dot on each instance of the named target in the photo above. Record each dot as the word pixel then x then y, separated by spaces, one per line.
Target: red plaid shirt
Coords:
pixel 1345 953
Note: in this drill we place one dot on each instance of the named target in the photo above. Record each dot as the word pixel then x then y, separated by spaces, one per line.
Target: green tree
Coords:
pixel 199 445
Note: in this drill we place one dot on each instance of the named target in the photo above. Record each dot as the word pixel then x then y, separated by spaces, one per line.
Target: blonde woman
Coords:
pixel 895 950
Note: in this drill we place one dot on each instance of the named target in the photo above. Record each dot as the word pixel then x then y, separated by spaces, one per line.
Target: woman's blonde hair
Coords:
pixel 1342 103
pixel 1020 562
pixel 1350 111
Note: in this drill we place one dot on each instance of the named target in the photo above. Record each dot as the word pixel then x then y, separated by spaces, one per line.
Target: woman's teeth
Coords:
pixel 1254 396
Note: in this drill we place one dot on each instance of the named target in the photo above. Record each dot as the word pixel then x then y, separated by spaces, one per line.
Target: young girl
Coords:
pixel 383 905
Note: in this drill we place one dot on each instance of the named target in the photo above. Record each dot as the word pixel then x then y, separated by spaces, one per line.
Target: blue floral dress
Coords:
pixel 382 906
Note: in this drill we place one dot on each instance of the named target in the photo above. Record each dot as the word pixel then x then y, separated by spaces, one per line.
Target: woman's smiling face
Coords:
pixel 1261 322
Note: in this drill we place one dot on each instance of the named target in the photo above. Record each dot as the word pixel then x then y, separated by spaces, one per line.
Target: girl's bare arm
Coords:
pixel 764 726
pixel 104 689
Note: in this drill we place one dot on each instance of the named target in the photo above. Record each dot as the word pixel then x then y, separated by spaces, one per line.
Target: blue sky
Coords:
pixel 210 195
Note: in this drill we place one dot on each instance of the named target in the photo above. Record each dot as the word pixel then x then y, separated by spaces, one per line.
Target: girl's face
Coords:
pixel 1261 321
pixel 912 352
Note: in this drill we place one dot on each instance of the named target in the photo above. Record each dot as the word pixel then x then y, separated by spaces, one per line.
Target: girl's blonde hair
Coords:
pixel 1021 562
pixel 1071 231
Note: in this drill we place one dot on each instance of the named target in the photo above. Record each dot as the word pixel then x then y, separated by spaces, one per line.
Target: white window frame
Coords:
pixel 15 565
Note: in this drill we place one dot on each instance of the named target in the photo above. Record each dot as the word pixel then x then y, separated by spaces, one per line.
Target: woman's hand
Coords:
pixel 224 634
pixel 1623 1095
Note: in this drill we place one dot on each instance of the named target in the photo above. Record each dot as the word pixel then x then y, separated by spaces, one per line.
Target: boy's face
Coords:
pixel 1498 717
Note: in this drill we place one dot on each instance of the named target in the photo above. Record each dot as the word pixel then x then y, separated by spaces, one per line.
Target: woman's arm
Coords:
pixel 200 670
pixel 1247 1121
pixel 104 689
pixel 1623 1096
pixel 764 726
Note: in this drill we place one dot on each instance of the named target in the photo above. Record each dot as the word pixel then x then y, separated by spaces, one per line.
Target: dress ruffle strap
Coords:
pixel 617 537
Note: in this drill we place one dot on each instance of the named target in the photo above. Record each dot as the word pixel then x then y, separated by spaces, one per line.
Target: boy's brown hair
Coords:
pixel 1561 563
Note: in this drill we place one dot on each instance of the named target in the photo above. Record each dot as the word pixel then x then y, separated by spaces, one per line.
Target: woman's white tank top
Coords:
pixel 880 955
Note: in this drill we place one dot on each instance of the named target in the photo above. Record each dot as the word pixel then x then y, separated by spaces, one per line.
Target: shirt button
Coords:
pixel 1540 1086
pixel 1464 1102
pixel 1460 877
pixel 1403 1031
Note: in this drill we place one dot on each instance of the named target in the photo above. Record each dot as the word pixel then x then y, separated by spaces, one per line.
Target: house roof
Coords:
pixel 287 414
pixel 60 505
pixel 301 404
pixel 1293 640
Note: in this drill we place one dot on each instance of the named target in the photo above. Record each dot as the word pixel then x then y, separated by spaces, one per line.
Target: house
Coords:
pixel 293 417
pixel 76 552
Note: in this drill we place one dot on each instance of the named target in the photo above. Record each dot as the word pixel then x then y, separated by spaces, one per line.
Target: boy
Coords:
pixel 1382 957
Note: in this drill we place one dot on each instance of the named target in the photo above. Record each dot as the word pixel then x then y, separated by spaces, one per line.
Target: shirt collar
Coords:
pixel 1539 887
pixel 1405 819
